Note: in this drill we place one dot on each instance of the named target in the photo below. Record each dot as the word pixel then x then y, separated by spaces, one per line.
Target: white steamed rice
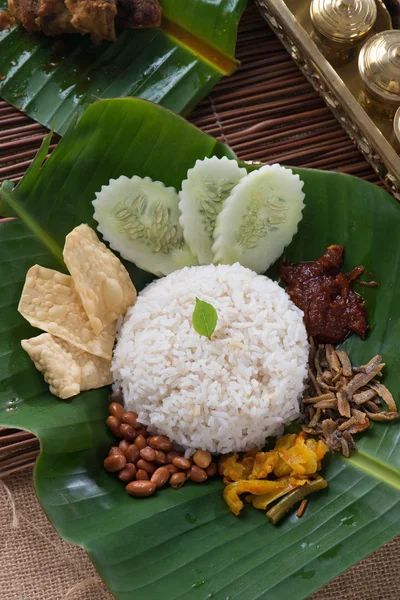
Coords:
pixel 223 395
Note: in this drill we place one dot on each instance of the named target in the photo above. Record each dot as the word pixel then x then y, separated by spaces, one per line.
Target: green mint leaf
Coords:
pixel 204 318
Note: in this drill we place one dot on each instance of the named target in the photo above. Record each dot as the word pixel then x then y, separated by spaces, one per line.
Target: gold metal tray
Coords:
pixel 339 87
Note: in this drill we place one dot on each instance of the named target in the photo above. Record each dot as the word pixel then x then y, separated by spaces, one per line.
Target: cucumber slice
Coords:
pixel 208 184
pixel 259 218
pixel 140 219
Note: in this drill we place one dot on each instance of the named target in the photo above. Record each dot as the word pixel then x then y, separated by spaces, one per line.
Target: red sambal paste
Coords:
pixel 332 309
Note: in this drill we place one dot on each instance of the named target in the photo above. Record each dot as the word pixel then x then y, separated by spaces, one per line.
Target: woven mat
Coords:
pixel 267 111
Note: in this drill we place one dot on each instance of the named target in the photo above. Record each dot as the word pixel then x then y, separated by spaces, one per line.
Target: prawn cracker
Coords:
pixel 67 369
pixel 101 280
pixel 59 369
pixel 50 302
pixel 95 371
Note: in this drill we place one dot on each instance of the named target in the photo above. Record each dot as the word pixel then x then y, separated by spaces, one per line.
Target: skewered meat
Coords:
pixel 95 17
pixel 50 16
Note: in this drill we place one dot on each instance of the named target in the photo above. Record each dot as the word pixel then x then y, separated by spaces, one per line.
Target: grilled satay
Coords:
pixel 95 17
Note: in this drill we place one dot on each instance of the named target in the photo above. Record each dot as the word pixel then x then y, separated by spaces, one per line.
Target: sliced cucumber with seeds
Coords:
pixel 202 196
pixel 259 219
pixel 140 219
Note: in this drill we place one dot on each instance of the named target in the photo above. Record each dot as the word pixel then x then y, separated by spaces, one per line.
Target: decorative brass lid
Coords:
pixel 396 126
pixel 343 21
pixel 379 65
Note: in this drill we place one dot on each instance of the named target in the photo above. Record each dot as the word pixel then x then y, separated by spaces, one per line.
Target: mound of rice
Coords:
pixel 224 394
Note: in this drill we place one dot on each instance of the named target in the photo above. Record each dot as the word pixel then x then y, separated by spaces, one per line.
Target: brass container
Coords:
pixel 396 131
pixel 339 87
pixel 379 66
pixel 340 26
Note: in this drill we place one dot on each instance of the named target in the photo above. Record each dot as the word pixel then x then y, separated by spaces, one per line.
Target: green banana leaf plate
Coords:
pixel 185 543
pixel 176 65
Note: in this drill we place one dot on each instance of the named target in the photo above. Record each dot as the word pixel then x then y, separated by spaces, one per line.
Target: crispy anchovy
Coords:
pixel 382 416
pixel 316 418
pixel 317 361
pixel 371 369
pixel 309 430
pixel 332 403
pixel 327 376
pixel 332 358
pixel 345 447
pixel 337 376
pixel 384 393
pixel 355 424
pixel 328 396
pixel 314 381
pixel 364 396
pixel 345 362
pixel 349 439
pixel 328 426
pixel 372 407
pixel 343 404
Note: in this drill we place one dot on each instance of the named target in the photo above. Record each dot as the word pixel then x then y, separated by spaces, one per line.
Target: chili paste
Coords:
pixel 332 309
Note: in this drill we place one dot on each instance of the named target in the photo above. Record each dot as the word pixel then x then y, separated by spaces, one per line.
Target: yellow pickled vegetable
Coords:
pixel 254 486
pixel 238 470
pixel 294 461
pixel 291 483
pixel 302 456
pixel 264 464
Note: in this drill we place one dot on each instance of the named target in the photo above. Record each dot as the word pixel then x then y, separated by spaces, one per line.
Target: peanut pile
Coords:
pixel 146 462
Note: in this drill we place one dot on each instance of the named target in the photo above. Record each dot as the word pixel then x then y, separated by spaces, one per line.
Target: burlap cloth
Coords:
pixel 35 564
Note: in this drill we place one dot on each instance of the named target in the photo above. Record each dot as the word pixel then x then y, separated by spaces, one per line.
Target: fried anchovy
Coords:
pixel 374 366
pixel 345 362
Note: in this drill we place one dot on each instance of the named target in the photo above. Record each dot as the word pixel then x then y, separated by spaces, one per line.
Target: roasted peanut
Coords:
pixel 211 469
pixel 142 431
pixel 181 462
pixel 197 474
pixel 171 454
pixel 140 442
pixel 116 397
pixel 160 442
pixel 128 473
pixel 142 475
pixel 141 489
pixel 127 432
pixel 172 468
pixel 115 450
pixel 132 454
pixel 130 418
pixel 161 457
pixel 146 466
pixel 113 425
pixel 177 480
pixel 202 459
pixel 160 476
pixel 148 454
pixel 124 445
pixel 114 463
pixel 116 410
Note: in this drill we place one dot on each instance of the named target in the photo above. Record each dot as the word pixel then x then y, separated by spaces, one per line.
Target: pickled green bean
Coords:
pixel 287 502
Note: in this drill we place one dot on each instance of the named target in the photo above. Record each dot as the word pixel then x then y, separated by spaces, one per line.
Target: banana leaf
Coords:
pixel 185 543
pixel 176 65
